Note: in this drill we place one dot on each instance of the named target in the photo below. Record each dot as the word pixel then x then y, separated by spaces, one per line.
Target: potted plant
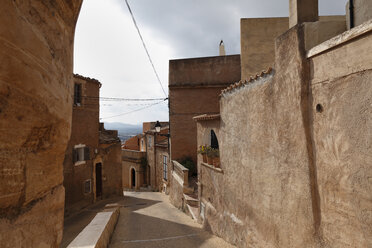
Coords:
pixel 213 156
pixel 216 159
pixel 203 151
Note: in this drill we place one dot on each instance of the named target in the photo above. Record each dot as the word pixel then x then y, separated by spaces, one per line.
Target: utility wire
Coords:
pixel 144 46
pixel 123 99
pixel 136 110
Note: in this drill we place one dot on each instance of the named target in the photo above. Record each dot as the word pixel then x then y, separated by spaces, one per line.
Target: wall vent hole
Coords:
pixel 319 108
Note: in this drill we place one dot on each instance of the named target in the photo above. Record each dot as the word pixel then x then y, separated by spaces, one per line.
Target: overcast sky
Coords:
pixel 108 48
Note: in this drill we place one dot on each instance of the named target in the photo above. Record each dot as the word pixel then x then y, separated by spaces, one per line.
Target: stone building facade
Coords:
pixel 148 165
pixel 134 166
pixel 162 167
pixel 294 166
pixel 156 148
pixel 84 141
pixel 194 86
pixel 92 164
pixel 107 164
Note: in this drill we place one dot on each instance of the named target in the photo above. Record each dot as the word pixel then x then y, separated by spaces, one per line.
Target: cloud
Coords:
pixel 107 46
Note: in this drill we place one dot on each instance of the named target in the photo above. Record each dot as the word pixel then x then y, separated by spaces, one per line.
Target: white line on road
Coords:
pixel 151 240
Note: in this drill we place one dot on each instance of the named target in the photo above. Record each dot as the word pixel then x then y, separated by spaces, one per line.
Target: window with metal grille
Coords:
pixel 87 186
pixel 165 167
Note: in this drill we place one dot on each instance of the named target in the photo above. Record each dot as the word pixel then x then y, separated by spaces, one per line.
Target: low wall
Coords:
pixel 178 182
pixel 132 155
pixel 98 232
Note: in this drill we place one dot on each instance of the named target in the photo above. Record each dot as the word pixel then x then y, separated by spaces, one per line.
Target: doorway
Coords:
pixel 98 180
pixel 133 176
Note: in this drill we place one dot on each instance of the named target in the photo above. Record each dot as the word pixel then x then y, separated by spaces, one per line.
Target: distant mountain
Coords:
pixel 125 131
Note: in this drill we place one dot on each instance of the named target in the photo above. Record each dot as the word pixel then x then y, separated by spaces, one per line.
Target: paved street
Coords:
pixel 147 219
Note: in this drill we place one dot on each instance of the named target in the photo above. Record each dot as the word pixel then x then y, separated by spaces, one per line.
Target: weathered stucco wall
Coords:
pixel 36 39
pixel 342 138
pixel 362 12
pixel 327 27
pixel 295 149
pixel 266 198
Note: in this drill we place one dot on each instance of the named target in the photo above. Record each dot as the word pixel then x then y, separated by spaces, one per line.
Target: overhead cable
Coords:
pixel 144 46
pixel 136 110
pixel 124 99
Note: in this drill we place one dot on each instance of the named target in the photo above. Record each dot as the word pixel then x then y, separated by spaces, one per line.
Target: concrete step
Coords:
pixel 191 200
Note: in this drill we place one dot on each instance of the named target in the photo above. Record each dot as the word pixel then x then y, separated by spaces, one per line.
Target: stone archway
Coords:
pixel 36 44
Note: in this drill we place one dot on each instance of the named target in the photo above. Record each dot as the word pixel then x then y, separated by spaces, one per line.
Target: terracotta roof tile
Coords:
pixel 244 82
pixel 206 117
pixel 87 79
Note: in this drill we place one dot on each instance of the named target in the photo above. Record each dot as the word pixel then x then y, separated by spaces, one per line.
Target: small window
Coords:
pixel 165 167
pixel 80 154
pixel 142 145
pixel 88 186
pixel 77 94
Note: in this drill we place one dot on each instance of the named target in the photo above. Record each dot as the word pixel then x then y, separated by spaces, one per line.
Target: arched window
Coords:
pixel 214 140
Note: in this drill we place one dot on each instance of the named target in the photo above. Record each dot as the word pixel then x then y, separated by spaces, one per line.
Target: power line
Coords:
pixel 123 99
pixel 136 110
pixel 144 46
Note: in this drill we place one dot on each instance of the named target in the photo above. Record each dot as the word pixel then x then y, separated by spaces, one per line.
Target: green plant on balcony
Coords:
pixel 203 151
pixel 213 156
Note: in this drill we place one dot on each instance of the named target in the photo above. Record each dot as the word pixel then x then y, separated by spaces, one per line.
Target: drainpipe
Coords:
pixel 351 11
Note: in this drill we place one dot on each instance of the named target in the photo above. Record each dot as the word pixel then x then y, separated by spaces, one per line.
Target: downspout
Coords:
pixel 351 11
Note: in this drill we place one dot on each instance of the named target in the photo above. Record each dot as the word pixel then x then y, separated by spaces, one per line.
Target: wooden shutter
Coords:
pixel 86 153
pixel 74 155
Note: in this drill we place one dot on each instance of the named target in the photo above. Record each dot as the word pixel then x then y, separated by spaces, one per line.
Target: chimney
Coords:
pixel 222 49
pixel 302 11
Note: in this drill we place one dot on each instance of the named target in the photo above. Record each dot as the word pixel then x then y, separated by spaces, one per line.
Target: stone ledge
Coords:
pixel 219 170
pixel 98 232
pixel 341 39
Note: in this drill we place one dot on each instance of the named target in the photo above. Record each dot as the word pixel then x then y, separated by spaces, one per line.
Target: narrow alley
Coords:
pixel 147 219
